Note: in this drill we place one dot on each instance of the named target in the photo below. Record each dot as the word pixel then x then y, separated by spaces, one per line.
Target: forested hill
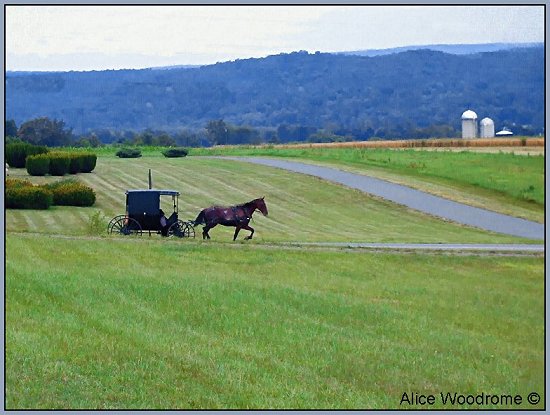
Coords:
pixel 389 95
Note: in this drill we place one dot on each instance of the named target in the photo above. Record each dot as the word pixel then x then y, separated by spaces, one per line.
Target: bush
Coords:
pixel 59 163
pixel 88 162
pixel 128 153
pixel 175 152
pixel 97 224
pixel 71 193
pixel 38 165
pixel 28 197
pixel 16 153
pixel 76 162
pixel 16 183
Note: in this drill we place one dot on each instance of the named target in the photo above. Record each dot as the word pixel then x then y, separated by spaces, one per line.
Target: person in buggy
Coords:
pixel 163 223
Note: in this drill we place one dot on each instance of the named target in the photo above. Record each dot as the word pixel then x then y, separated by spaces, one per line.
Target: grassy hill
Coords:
pixel 508 183
pixel 98 322
pixel 302 208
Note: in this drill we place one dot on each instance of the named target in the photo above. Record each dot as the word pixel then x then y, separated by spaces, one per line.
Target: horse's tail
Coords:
pixel 200 219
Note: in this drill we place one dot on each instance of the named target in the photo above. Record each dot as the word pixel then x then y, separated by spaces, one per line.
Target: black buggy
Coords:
pixel 143 213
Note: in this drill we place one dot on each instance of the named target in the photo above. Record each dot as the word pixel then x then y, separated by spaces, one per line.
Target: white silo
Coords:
pixel 469 124
pixel 486 128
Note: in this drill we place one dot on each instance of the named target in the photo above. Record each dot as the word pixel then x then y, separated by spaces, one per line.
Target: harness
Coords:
pixel 242 218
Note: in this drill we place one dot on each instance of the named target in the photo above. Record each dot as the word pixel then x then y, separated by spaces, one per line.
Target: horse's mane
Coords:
pixel 242 205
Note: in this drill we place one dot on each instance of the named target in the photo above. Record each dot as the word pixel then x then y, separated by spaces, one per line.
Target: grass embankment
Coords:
pixel 501 182
pixel 302 208
pixel 151 324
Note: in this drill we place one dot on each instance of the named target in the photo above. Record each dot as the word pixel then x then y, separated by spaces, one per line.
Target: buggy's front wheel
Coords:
pixel 125 226
pixel 181 229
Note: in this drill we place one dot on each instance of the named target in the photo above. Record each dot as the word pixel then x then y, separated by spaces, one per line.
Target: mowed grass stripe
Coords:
pixel 301 208
pixel 262 328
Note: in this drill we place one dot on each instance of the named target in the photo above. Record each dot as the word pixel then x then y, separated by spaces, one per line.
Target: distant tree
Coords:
pixel 90 141
pixel 43 131
pixel 242 135
pixel 187 139
pixel 145 139
pixel 10 129
pixel 217 132
pixel 164 140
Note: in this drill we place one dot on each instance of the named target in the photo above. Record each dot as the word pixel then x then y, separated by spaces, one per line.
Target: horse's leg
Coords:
pixel 237 229
pixel 205 232
pixel 248 228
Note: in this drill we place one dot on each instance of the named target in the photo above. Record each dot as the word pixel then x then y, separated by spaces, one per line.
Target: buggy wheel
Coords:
pixel 188 230
pixel 181 229
pixel 125 226
pixel 112 222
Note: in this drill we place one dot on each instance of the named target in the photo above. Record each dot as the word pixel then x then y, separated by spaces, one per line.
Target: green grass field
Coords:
pixel 152 324
pixel 502 182
pixel 111 322
pixel 302 208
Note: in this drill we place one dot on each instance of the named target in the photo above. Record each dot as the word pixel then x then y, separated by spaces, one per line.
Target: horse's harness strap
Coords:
pixel 236 216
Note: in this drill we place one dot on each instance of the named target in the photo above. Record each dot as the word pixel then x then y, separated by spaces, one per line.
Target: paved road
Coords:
pixel 415 199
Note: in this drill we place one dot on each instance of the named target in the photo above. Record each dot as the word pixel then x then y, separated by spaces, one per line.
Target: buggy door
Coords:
pixel 144 207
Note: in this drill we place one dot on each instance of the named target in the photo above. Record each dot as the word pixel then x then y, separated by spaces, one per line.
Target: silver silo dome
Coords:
pixel 469 124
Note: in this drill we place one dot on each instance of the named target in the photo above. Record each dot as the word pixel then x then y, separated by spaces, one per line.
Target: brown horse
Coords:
pixel 237 216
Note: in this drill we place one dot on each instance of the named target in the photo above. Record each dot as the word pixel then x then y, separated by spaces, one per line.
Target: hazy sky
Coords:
pixel 114 37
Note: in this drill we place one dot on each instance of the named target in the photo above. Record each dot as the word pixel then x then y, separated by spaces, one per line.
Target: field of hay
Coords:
pixel 428 143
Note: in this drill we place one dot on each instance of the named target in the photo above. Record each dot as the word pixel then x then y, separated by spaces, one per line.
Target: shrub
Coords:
pixel 128 153
pixel 175 152
pixel 97 224
pixel 71 193
pixel 16 183
pixel 38 165
pixel 16 153
pixel 76 162
pixel 88 162
pixel 28 197
pixel 59 163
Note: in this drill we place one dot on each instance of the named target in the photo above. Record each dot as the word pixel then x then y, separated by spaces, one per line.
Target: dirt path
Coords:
pixel 374 247
pixel 415 199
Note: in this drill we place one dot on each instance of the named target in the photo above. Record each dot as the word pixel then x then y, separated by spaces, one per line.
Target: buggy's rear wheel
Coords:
pixel 125 226
pixel 181 229
pixel 111 223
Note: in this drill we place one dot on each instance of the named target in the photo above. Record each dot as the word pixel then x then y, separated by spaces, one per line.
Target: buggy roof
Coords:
pixel 163 192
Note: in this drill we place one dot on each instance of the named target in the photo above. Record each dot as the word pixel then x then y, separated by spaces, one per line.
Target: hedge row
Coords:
pixel 22 194
pixel 25 197
pixel 16 153
pixel 60 163
pixel 71 193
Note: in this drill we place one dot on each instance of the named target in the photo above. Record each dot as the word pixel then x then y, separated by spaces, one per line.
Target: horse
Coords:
pixel 237 216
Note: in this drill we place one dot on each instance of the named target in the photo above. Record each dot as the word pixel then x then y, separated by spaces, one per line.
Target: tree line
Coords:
pixel 55 133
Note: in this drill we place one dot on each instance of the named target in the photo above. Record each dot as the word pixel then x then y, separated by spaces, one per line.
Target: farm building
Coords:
pixel 486 128
pixel 504 132
pixel 469 124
